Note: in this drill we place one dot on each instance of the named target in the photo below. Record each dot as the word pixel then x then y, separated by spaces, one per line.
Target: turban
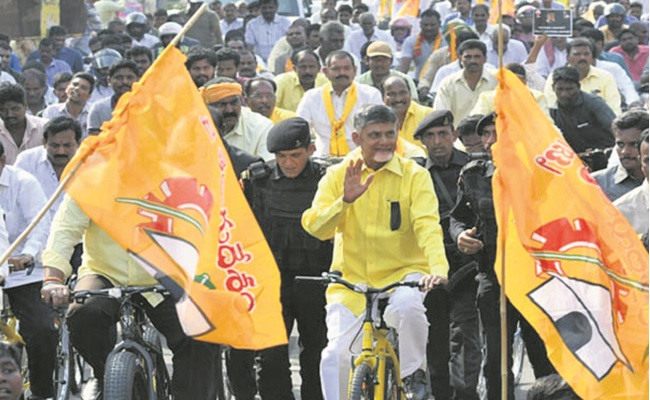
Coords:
pixel 220 91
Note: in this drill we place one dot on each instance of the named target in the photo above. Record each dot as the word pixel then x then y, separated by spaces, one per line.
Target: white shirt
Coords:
pixel 6 77
pixel 226 27
pixel 623 81
pixel 60 110
pixel 634 206
pixel 22 198
pixel 250 133
pixel 542 65
pixel 357 39
pixel 36 163
pixel 485 37
pixel 263 35
pixel 450 69
pixel 515 53
pixel 312 108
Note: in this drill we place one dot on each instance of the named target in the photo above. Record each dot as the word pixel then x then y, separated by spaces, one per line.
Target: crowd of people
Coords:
pixel 363 143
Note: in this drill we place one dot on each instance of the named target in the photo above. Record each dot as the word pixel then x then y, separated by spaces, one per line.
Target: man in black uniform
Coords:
pixel 451 312
pixel 279 191
pixel 474 230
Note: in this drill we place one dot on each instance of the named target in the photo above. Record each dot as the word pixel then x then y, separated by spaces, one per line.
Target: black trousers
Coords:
pixel 488 303
pixel 93 333
pixel 465 342
pixel 40 335
pixel 304 304
pixel 437 305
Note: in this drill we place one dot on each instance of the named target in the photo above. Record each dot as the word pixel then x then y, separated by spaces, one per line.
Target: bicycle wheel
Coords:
pixel 125 377
pixel 392 391
pixel 363 383
pixel 161 384
pixel 64 373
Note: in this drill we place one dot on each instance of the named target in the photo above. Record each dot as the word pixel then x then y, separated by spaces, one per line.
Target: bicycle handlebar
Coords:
pixel 117 292
pixel 328 278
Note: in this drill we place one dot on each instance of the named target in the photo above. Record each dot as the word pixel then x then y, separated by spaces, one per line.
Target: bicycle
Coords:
pixel 375 372
pixel 135 368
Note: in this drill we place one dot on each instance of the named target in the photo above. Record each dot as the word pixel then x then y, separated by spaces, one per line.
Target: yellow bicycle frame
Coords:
pixel 376 349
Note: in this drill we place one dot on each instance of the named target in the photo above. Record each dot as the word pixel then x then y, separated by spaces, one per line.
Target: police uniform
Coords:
pixel 453 351
pixel 278 203
pixel 475 208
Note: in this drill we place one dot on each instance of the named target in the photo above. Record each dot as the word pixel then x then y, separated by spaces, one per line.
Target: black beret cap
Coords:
pixel 485 121
pixel 289 134
pixel 434 119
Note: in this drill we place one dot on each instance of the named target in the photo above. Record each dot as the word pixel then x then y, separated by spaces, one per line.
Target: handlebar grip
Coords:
pixel 319 279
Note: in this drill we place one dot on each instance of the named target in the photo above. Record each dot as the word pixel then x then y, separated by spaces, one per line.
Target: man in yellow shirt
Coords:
pixel 593 80
pixel 409 113
pixel 260 96
pixel 106 264
pixel 382 212
pixel 293 85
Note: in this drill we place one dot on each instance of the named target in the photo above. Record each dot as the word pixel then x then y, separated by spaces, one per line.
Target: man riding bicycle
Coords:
pixel 92 324
pixel 382 212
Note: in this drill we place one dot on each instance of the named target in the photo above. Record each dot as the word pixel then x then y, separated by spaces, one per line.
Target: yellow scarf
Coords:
pixel 436 46
pixel 338 143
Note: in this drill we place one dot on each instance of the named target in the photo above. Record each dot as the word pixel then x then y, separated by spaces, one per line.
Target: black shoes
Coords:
pixel 417 386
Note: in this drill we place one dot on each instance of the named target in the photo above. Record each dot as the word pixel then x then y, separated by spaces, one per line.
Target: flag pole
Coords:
pixel 502 287
pixel 189 24
pixel 57 193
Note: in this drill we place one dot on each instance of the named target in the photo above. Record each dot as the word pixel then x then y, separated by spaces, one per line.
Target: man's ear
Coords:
pixel 356 138
pixel 311 149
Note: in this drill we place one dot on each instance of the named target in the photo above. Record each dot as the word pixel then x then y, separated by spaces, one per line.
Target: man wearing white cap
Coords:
pixel 379 59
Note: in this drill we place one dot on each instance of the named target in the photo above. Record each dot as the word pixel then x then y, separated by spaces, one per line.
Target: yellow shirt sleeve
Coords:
pixel 425 220
pixel 67 229
pixel 327 208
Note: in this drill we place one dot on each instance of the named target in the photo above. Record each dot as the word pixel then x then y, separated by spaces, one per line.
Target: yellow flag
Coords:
pixel 507 8
pixel 574 267
pixel 159 181
pixel 408 8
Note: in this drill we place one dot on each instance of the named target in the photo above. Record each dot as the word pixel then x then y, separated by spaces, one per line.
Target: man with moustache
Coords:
pixel 241 127
pixel 382 212
pixel 293 85
pixel 459 91
pixel 620 179
pixel 634 204
pixel 583 118
pixel 201 64
pixel 451 312
pixel 330 109
pixel 593 80
pixel 397 95
pixel 297 39
pixel 46 163
pixel 379 58
pixel 121 77
pixel 18 131
pixel 332 38
pixel 260 96
pixel 279 192
pixel 76 105
pixel 418 47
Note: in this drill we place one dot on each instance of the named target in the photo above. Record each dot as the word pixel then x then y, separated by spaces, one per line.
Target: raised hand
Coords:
pixel 352 186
